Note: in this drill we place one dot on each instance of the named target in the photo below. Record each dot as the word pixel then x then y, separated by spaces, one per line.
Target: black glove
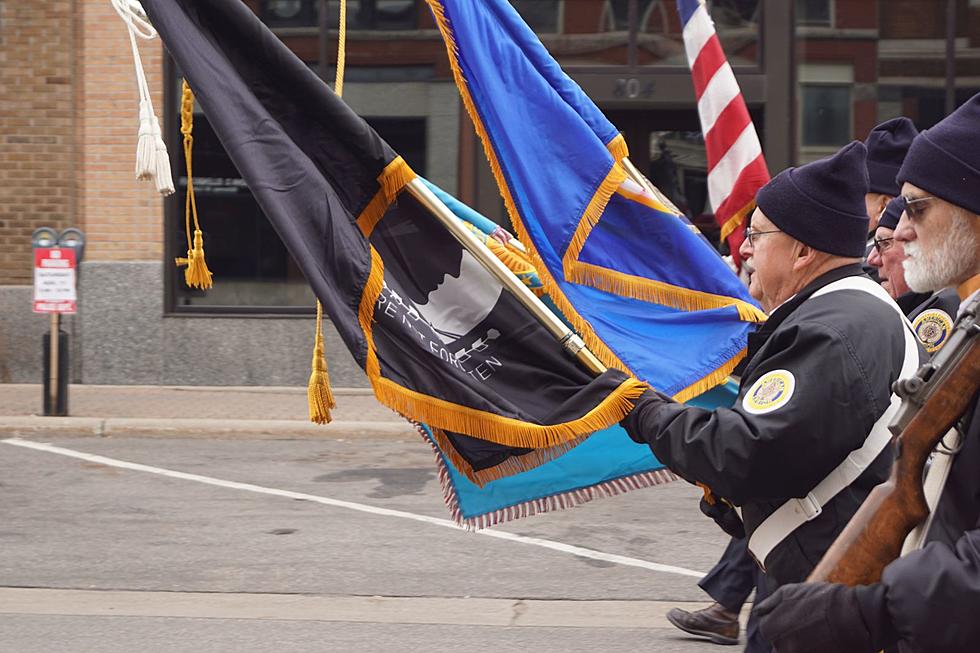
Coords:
pixel 819 617
pixel 650 400
pixel 724 515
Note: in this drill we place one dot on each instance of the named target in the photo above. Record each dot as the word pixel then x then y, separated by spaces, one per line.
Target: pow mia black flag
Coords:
pixel 438 337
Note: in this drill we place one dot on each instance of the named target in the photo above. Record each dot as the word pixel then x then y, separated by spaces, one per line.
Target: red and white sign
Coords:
pixel 54 280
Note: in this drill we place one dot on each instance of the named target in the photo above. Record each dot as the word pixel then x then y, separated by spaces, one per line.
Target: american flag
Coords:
pixel 736 166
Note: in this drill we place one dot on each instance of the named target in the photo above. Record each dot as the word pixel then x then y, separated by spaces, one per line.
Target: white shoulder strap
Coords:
pixel 932 488
pixel 796 512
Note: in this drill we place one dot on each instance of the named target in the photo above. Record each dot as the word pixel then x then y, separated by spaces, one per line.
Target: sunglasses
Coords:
pixel 916 207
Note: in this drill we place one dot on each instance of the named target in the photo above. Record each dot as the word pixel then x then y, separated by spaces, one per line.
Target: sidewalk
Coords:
pixel 191 411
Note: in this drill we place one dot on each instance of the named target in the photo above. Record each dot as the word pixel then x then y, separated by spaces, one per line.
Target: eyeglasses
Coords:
pixel 751 234
pixel 883 244
pixel 914 206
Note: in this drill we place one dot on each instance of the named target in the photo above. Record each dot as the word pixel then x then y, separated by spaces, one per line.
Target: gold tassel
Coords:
pixel 318 391
pixel 197 274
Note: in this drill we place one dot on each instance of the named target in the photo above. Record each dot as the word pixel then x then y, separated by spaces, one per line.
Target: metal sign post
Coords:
pixel 56 258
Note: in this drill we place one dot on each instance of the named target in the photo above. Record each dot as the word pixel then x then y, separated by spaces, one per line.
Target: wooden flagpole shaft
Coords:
pixel 570 340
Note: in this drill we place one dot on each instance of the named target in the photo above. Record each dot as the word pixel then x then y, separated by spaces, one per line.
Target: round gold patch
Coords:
pixel 933 327
pixel 770 392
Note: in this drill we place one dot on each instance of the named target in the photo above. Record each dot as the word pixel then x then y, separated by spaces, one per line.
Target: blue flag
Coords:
pixel 648 294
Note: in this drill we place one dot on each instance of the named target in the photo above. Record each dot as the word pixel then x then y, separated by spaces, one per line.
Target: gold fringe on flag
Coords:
pixel 197 274
pixel 617 147
pixel 590 217
pixel 735 221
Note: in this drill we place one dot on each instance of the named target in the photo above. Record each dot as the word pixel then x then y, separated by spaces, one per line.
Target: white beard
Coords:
pixel 955 257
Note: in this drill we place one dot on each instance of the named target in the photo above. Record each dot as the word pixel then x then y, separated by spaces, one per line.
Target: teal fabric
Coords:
pixel 606 456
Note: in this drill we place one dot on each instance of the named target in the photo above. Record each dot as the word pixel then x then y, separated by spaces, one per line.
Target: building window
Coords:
pixel 361 14
pixel 826 119
pixel 377 14
pixel 289 13
pixel 253 271
pixel 813 12
pixel 541 15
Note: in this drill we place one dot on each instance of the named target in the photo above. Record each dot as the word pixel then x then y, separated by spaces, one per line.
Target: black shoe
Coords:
pixel 714 622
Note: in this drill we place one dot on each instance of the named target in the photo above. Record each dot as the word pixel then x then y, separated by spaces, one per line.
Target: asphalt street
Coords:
pixel 321 545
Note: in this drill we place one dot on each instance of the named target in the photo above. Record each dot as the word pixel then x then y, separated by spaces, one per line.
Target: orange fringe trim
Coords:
pixel 627 285
pixel 711 380
pixel 510 467
pixel 365 312
pixel 516 261
pixel 392 180
pixel 590 217
pixel 617 147
pixel 508 431
pixel 646 200
pixel 735 221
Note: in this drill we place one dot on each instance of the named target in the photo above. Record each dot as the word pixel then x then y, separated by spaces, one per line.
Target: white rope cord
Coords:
pixel 152 160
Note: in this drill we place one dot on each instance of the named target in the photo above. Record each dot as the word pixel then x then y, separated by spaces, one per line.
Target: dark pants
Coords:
pixel 731 581
pixel 754 643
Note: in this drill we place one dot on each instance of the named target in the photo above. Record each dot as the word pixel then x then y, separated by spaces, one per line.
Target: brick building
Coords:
pixel 815 73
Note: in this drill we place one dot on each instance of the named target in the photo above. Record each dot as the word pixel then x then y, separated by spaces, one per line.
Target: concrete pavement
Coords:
pixel 321 544
pixel 219 519
pixel 194 411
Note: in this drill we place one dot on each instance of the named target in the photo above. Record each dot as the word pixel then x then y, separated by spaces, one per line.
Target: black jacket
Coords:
pixel 842 351
pixel 945 300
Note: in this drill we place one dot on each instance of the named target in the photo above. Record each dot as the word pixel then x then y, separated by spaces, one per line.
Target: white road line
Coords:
pixel 350 505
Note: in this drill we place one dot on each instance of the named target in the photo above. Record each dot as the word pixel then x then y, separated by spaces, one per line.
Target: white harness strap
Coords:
pixel 796 512
pixel 942 462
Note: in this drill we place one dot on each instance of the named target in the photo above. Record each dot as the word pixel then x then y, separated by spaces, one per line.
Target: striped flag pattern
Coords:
pixel 736 166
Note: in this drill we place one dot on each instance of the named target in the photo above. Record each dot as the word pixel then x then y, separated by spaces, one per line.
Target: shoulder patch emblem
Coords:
pixel 770 392
pixel 932 328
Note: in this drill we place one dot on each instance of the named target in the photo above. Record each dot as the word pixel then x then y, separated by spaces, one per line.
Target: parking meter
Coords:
pixel 72 238
pixel 44 237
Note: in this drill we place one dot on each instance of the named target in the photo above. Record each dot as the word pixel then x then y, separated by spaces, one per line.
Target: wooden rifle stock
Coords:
pixel 932 401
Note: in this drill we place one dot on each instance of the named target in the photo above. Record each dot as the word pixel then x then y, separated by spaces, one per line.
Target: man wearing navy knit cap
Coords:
pixel 929 599
pixel 816 384
pixel 887 145
pixel 931 313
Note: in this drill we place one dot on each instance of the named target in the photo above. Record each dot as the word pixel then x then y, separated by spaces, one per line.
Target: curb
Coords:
pixel 130 427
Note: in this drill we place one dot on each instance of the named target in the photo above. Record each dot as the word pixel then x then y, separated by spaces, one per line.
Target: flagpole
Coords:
pixel 639 178
pixel 568 339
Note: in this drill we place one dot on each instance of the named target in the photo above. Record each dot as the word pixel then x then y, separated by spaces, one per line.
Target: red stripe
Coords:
pixel 709 60
pixel 731 122
pixel 752 177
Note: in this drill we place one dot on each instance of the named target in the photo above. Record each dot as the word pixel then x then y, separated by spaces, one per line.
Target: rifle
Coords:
pixel 932 401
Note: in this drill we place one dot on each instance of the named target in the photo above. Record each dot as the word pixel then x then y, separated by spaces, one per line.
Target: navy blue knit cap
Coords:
pixel 821 204
pixel 945 160
pixel 887 145
pixel 892 213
